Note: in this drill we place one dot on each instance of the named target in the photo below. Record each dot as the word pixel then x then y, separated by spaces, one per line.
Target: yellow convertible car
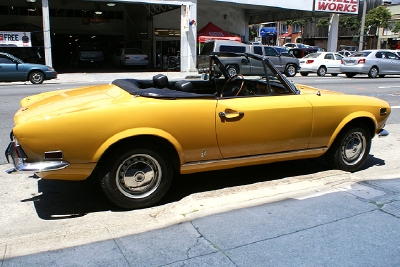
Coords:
pixel 133 135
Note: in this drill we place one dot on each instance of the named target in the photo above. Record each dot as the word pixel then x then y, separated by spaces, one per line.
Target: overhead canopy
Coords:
pixel 213 32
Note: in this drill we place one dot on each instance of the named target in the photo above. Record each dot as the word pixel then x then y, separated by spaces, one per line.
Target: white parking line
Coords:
pixel 382 87
pixel 395 107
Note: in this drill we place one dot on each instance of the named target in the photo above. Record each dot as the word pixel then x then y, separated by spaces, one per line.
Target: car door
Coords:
pixel 383 63
pixel 329 62
pixel 10 70
pixel 394 62
pixel 263 125
pixel 274 57
pixel 256 66
pixel 335 64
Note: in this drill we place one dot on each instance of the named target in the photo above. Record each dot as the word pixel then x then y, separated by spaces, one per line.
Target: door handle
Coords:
pixel 230 115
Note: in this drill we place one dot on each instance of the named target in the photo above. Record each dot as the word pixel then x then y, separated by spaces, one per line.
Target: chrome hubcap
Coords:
pixel 138 176
pixel 353 148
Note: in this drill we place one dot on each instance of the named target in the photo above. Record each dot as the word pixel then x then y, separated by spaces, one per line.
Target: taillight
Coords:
pixel 361 61
pixel 146 58
pixel 309 61
pixel 341 61
pixel 127 58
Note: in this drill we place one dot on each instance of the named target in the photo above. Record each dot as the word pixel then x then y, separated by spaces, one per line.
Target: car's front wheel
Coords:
pixel 36 77
pixel 137 179
pixel 373 72
pixel 232 70
pixel 290 70
pixel 350 149
pixel 321 71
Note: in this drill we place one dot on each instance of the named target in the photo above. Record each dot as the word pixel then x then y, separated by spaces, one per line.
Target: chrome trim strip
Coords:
pixel 252 160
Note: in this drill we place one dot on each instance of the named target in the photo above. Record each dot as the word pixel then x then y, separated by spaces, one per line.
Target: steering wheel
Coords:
pixel 231 79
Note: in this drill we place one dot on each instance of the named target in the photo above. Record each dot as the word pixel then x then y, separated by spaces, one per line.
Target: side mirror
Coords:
pixel 245 61
pixel 204 76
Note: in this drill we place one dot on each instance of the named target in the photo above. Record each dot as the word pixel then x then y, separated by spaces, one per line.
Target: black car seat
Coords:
pixel 184 86
pixel 160 81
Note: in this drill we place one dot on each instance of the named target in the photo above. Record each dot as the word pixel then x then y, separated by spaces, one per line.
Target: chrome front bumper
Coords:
pixel 15 155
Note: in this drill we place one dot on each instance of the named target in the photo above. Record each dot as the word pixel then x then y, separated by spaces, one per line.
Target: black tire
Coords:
pixel 349 75
pixel 232 70
pixel 36 77
pixel 381 75
pixel 304 73
pixel 350 149
pixel 373 72
pixel 334 74
pixel 149 178
pixel 290 70
pixel 321 71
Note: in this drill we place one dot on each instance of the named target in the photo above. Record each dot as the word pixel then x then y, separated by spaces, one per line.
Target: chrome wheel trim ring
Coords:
pixel 322 71
pixel 36 77
pixel 353 148
pixel 374 72
pixel 232 71
pixel 291 70
pixel 138 176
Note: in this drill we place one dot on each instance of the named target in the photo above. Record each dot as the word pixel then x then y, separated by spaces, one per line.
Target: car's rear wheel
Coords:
pixel 304 73
pixel 321 71
pixel 36 77
pixel 350 149
pixel 373 72
pixel 232 70
pixel 139 178
pixel 349 75
pixel 290 70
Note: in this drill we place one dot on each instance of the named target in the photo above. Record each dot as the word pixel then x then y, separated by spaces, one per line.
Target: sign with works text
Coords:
pixel 337 6
pixel 20 39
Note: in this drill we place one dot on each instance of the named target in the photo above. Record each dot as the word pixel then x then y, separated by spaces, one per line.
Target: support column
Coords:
pixel 188 37
pixel 46 33
pixel 333 33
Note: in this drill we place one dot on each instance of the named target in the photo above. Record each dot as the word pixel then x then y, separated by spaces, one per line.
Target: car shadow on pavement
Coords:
pixel 67 200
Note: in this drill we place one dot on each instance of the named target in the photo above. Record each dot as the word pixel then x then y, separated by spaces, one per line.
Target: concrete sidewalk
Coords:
pixel 316 217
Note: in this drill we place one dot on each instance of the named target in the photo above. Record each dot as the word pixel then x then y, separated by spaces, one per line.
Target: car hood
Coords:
pixel 56 103
pixel 309 90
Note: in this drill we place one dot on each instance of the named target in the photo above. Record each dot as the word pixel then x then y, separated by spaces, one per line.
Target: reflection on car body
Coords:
pixel 188 126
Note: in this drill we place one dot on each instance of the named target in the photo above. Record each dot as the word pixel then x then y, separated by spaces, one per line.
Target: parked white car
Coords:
pixel 372 62
pixel 130 57
pixel 321 63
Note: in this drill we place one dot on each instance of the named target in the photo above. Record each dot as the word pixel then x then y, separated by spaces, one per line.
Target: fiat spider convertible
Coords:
pixel 134 134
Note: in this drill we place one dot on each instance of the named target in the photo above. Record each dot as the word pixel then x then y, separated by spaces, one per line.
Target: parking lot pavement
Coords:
pixel 314 217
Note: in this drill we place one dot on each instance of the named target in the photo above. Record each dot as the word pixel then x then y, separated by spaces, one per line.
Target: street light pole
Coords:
pixel 361 44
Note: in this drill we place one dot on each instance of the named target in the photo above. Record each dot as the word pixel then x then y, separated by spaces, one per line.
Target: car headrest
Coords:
pixel 184 86
pixel 160 81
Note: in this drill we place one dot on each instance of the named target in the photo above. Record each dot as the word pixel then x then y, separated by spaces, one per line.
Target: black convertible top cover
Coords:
pixel 132 86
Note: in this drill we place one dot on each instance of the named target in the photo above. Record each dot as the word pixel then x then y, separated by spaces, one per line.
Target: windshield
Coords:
pixel 313 55
pixel 361 54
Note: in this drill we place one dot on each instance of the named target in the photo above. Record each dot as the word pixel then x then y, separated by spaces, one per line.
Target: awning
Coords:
pixel 264 32
pixel 285 35
pixel 213 32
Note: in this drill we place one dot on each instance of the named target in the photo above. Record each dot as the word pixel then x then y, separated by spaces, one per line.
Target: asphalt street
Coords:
pixel 296 213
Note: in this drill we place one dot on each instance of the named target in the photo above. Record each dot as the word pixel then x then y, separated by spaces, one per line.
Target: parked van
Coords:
pixel 234 65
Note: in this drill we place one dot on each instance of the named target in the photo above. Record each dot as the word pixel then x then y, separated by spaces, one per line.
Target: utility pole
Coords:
pixel 364 11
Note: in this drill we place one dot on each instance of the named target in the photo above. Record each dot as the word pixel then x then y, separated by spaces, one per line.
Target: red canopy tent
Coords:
pixel 213 32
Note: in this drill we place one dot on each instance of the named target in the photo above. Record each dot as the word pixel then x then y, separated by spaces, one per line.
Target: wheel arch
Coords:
pixel 143 138
pixel 363 118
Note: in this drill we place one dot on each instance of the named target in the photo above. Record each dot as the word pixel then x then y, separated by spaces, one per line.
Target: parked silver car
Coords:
pixel 372 62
